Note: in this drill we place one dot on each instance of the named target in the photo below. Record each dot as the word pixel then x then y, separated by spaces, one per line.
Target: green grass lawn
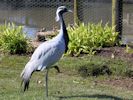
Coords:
pixel 67 85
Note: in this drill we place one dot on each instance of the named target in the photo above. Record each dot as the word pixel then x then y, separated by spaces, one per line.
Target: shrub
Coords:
pixel 114 67
pixel 129 73
pixel 94 70
pixel 87 38
pixel 12 39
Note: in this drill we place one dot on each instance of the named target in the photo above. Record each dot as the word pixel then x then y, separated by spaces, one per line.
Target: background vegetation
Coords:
pixel 88 38
pixel 12 39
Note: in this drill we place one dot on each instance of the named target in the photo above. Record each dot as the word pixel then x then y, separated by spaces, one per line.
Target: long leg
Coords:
pixel 46 78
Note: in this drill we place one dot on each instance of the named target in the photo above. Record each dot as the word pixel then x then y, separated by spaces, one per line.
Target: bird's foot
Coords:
pixel 57 68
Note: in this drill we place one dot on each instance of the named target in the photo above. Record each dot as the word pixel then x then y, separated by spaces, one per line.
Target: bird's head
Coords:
pixel 61 10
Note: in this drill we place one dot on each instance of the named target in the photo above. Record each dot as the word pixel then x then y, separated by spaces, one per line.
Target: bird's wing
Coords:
pixel 42 48
pixel 45 55
pixel 35 62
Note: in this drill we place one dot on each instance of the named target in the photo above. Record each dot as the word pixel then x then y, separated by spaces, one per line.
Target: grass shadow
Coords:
pixel 98 96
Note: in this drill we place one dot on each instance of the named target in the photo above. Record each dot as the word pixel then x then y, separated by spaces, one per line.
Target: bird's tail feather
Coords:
pixel 26 75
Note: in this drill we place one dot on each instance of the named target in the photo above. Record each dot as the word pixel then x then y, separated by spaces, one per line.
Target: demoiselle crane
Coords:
pixel 47 53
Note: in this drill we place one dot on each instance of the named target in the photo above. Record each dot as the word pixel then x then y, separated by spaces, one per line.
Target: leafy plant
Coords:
pixel 88 38
pixel 12 39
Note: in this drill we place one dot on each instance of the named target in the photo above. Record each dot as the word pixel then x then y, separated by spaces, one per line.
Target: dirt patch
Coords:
pixel 125 83
pixel 115 52
pixel 120 53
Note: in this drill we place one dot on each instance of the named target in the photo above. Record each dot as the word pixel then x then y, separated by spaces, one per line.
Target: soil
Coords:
pixel 120 82
pixel 120 53
pixel 116 52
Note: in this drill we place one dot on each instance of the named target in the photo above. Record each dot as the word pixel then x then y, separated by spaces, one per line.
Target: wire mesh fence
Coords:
pixel 41 13
pixel 36 14
pixel 32 12
pixel 95 11
pixel 128 21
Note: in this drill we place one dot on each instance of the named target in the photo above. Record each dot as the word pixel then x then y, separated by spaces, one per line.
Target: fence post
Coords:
pixel 117 16
pixel 75 11
pixel 114 13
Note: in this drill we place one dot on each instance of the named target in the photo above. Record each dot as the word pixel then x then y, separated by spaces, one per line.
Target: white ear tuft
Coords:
pixel 57 18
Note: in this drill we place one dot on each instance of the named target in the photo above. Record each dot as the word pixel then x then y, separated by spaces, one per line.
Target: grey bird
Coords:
pixel 47 53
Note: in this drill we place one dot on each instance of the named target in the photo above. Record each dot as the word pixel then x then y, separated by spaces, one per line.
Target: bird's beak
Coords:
pixel 70 11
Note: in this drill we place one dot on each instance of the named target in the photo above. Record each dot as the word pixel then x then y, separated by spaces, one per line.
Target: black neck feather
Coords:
pixel 65 34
